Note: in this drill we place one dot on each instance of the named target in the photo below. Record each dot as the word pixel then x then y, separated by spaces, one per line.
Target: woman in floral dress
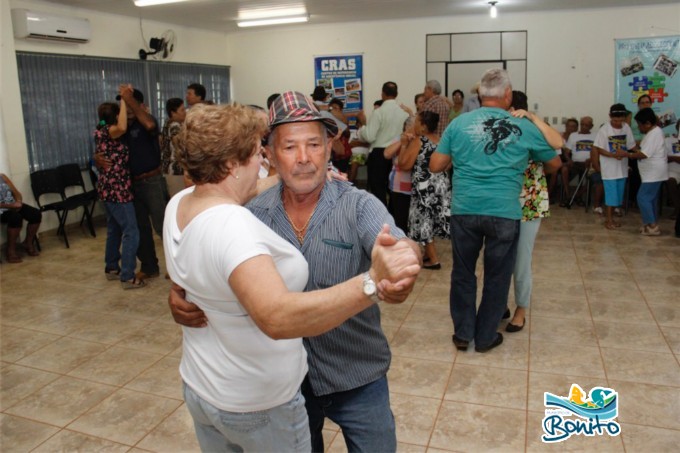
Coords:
pixel 430 212
pixel 114 187
pixel 535 206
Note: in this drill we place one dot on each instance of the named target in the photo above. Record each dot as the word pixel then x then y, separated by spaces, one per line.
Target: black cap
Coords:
pixel 618 110
pixel 139 97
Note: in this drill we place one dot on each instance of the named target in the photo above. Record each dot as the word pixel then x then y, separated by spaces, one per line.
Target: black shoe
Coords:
pixel 461 345
pixel 513 328
pixel 506 315
pixel 432 267
pixel 496 342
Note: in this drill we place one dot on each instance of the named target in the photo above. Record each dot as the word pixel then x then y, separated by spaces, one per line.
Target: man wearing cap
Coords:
pixel 334 225
pixel 612 143
pixel 385 123
pixel 148 184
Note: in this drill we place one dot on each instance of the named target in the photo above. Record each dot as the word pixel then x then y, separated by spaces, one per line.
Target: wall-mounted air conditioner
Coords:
pixel 30 24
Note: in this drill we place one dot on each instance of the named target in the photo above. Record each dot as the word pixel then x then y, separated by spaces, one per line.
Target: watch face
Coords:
pixel 369 288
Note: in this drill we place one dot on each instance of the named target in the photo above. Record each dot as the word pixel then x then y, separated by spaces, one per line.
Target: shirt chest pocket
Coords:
pixel 337 260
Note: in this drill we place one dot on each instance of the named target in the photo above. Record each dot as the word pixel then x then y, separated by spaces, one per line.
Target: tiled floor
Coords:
pixel 87 366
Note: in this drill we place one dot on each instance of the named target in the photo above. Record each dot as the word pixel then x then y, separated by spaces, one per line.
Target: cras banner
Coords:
pixel 650 66
pixel 342 77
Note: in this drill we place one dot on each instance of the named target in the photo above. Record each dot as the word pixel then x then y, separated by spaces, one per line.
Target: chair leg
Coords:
pixel 62 228
pixel 89 222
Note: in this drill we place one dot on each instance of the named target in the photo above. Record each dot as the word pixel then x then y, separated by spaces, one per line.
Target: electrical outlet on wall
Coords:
pixel 554 120
pixel 536 107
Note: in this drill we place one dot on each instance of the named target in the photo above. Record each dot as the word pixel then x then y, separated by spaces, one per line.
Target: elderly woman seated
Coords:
pixel 13 211
pixel 242 373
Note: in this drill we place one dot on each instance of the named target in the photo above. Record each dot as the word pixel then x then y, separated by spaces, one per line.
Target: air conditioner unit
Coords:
pixel 30 24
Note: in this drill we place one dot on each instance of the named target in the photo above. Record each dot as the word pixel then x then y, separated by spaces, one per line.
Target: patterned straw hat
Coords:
pixel 294 107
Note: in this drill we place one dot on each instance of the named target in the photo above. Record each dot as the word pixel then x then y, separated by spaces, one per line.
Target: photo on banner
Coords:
pixel 649 66
pixel 342 78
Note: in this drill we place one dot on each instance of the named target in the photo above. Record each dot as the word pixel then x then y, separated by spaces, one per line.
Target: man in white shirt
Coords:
pixel 385 124
pixel 613 142
pixel 577 154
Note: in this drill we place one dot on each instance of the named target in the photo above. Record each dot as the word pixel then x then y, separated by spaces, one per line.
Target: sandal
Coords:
pixel 112 274
pixel 135 283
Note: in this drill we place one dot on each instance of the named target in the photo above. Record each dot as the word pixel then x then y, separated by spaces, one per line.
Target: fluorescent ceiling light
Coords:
pixel 267 13
pixel 273 21
pixel 142 3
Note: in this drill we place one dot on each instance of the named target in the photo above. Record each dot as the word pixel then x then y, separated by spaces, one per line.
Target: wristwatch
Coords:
pixel 370 288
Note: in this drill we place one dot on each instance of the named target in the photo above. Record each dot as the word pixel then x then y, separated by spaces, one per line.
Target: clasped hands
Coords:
pixel 394 267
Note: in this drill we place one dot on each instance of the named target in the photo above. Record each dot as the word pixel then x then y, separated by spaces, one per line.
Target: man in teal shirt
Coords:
pixel 489 150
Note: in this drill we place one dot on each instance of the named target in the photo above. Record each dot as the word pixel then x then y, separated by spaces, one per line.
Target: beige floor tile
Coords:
pixel 414 417
pixel 19 434
pixel 125 417
pixel 108 329
pixel 159 338
pixel 61 401
pixel 646 438
pixel 418 377
pixel 162 379
pixel 18 313
pixel 471 427
pixel 546 288
pixel 430 317
pixel 512 354
pixel 567 331
pixel 642 337
pixel 63 355
pixel 175 433
pixel 389 330
pixel 666 313
pixel 18 382
pixel 672 335
pixel 557 384
pixel 648 404
pixel 115 366
pixel 625 290
pixel 394 314
pixel 16 343
pixel 329 437
pixel 69 441
pixel 578 443
pixel 547 357
pixel 410 448
pixel 488 386
pixel 423 344
pixel 556 307
pixel 621 311
pixel 641 366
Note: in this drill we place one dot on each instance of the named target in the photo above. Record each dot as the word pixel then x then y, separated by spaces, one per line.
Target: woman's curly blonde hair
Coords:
pixel 215 137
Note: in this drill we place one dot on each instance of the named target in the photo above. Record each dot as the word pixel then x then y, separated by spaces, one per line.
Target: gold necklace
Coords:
pixel 299 232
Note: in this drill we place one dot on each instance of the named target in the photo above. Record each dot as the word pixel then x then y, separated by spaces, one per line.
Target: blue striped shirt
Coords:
pixel 337 246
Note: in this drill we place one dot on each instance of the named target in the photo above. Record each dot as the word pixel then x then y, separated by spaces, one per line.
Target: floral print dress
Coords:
pixel 534 195
pixel 115 184
pixel 430 213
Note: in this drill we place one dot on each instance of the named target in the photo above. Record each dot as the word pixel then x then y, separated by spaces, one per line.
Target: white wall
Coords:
pixel 112 36
pixel 570 54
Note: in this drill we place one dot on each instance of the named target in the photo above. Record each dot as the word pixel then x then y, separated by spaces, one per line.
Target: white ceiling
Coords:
pixel 220 15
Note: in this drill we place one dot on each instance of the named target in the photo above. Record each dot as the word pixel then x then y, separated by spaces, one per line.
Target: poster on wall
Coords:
pixel 342 78
pixel 649 66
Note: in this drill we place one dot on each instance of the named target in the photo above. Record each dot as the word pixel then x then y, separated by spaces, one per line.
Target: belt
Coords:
pixel 148 174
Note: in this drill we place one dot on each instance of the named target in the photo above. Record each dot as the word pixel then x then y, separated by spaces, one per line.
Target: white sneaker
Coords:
pixel 649 231
pixel 598 210
pixel 618 212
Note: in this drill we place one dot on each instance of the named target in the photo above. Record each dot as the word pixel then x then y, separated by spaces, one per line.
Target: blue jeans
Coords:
pixel 121 227
pixel 151 196
pixel 499 238
pixel 363 414
pixel 647 200
pixel 281 428
pixel 522 272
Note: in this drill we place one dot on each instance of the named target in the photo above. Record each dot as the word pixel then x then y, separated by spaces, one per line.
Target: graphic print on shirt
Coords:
pixel 616 143
pixel 584 146
pixel 499 132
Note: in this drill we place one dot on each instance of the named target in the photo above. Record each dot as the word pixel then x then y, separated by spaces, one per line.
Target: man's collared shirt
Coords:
pixel 384 124
pixel 337 246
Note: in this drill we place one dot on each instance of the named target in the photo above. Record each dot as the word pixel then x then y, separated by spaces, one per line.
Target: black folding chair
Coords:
pixel 46 182
pixel 71 176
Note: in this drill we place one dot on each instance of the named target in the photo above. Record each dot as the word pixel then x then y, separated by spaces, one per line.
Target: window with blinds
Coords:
pixel 60 95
